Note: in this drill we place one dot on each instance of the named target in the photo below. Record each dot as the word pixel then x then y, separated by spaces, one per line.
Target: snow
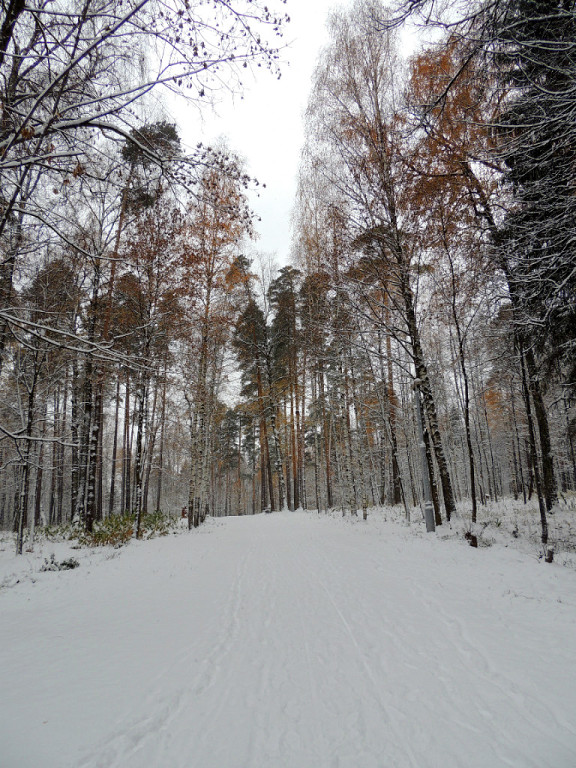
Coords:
pixel 290 640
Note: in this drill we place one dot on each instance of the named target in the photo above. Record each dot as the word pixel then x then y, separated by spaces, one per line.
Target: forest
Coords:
pixel 419 349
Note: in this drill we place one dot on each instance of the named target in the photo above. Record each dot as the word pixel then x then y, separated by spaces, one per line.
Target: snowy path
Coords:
pixel 292 641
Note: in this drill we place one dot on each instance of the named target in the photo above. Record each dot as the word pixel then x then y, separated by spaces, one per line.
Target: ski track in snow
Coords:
pixel 292 641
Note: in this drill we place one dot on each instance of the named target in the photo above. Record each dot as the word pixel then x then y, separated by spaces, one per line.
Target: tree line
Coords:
pixel 421 343
pixel 437 195
pixel 111 239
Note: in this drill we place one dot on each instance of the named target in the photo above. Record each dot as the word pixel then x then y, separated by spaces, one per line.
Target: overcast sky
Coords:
pixel 266 126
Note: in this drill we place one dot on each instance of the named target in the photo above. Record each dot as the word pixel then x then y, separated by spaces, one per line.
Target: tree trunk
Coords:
pixel 158 505
pixel 533 453
pixel 548 476
pixel 326 427
pixel 142 405
pixel 429 404
pixel 127 451
pixel 112 494
pixel 24 490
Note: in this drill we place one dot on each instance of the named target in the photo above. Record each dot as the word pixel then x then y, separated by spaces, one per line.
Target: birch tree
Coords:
pixel 353 112
pixel 72 73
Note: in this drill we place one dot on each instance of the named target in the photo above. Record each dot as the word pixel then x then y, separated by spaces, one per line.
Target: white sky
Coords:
pixel 266 126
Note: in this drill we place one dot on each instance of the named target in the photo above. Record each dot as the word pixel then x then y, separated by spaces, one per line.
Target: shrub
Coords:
pixel 117 530
pixel 64 565
pixel 64 531
pixel 156 524
pixel 112 531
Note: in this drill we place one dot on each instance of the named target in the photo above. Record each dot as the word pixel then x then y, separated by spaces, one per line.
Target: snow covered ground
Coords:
pixel 289 641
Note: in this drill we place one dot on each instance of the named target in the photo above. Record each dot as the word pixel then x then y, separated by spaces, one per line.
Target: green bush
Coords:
pixel 156 524
pixel 64 531
pixel 112 531
pixel 117 530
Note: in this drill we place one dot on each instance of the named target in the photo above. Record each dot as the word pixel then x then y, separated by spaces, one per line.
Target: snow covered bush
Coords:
pixel 51 564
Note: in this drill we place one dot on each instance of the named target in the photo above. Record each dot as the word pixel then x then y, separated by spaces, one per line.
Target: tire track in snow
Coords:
pixel 255 699
pixel 392 714
pixel 323 754
pixel 241 641
pixel 389 685
pixel 501 699
pixel 494 677
pixel 319 631
pixel 141 737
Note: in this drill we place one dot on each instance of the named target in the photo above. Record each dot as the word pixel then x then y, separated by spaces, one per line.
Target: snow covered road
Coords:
pixel 291 641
